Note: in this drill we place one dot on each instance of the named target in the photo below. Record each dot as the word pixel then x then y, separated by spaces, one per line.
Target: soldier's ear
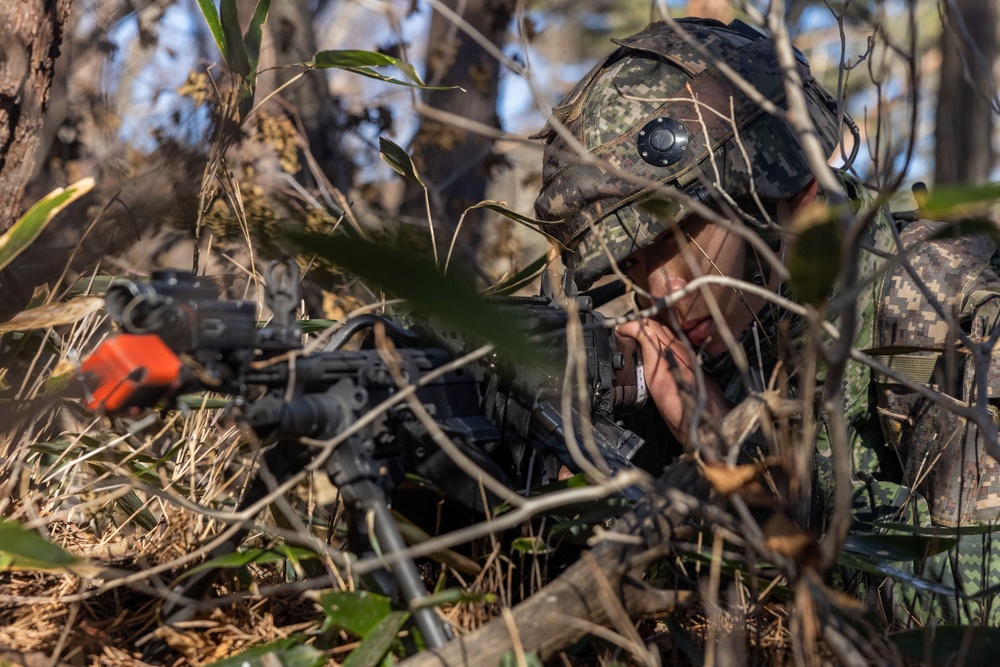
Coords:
pixel 789 207
pixel 805 196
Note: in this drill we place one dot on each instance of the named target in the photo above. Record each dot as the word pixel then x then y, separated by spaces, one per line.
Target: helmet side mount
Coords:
pixel 662 141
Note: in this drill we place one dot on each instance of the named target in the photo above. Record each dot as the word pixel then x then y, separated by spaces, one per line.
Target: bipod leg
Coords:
pixel 369 498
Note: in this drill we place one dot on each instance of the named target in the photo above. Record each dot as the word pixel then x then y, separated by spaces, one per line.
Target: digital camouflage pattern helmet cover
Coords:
pixel 657 74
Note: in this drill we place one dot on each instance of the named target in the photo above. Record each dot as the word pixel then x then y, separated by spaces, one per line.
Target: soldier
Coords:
pixel 664 167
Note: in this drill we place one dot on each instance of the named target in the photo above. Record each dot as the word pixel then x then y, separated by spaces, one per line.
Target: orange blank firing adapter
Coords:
pixel 130 371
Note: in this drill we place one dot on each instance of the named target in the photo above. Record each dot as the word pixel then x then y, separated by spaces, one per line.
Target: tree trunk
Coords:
pixel 32 31
pixel 454 163
pixel 289 37
pixel 967 96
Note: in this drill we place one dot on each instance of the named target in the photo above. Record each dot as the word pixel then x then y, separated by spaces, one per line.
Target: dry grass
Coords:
pixel 96 494
pixel 91 485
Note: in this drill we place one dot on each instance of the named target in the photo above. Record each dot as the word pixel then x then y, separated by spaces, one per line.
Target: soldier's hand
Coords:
pixel 668 366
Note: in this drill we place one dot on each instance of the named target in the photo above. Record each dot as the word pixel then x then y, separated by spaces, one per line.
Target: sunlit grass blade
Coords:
pixel 520 279
pixel 531 223
pixel 31 224
pixel 240 559
pixel 397 158
pixel 363 62
pixel 255 34
pixel 211 15
pixel 288 652
pixel 53 315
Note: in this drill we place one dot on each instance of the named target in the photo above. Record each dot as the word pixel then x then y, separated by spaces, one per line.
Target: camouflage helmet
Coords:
pixel 635 113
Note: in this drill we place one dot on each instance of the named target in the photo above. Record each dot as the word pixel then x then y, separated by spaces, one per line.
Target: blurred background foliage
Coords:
pixel 138 91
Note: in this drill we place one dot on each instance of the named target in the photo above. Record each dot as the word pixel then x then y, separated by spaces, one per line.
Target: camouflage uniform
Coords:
pixel 718 139
pixel 947 478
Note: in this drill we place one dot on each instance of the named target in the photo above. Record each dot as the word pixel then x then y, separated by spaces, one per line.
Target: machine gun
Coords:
pixel 178 336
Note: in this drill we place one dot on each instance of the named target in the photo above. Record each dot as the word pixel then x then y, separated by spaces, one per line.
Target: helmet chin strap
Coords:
pixel 757 338
pixel 758 341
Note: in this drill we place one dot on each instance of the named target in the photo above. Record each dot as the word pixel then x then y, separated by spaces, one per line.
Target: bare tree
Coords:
pixel 967 99
pixel 290 37
pixel 454 162
pixel 33 32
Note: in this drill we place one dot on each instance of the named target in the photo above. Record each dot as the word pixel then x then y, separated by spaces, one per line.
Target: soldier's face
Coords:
pixel 697 249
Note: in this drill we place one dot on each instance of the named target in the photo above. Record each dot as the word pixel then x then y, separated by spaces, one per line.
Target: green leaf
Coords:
pixel 133 506
pixel 362 62
pixel 197 402
pixel 935 531
pixel 664 209
pixel 399 160
pixel 450 299
pixel 358 612
pixel 454 596
pixel 255 32
pixel 378 641
pixel 96 285
pixel 38 297
pixel 509 659
pixel 814 261
pixel 235 54
pixel 898 547
pixel 942 644
pixel 958 200
pixel 141 465
pixel 531 545
pixel 577 481
pixel 29 549
pixel 214 25
pixel 31 224
pixel 848 559
pixel 579 529
pixel 240 559
pixel 289 652
pixel 521 279
pixel 314 326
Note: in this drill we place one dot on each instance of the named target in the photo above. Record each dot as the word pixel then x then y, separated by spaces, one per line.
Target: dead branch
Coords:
pixel 558 615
